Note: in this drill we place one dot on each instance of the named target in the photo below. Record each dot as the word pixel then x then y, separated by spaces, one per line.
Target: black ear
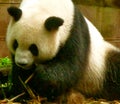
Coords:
pixel 53 23
pixel 15 12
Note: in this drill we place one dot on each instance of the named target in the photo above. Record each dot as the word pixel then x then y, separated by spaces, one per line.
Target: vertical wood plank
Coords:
pixel 4 19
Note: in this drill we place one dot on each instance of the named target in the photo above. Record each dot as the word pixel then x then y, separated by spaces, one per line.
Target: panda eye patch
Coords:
pixel 34 50
pixel 15 45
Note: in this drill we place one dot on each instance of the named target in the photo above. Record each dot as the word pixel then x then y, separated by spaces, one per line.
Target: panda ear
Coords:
pixel 53 23
pixel 15 12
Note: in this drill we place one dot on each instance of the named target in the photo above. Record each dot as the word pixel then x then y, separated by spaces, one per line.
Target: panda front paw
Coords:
pixel 75 97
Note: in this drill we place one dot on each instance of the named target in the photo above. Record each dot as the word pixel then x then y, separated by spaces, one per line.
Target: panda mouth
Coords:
pixel 27 67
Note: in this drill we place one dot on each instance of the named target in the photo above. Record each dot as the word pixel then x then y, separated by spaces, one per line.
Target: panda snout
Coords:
pixel 24 59
pixel 23 64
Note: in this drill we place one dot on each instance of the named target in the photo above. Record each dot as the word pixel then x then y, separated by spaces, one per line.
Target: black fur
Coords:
pixel 53 23
pixel 15 44
pixel 57 76
pixel 15 12
pixel 111 89
pixel 34 50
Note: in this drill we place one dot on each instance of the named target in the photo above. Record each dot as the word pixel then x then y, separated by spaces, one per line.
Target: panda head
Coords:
pixel 34 36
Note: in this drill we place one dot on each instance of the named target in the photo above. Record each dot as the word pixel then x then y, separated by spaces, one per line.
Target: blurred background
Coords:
pixel 104 14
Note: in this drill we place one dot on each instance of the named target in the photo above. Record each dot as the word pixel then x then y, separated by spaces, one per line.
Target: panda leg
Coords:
pixel 111 88
pixel 73 97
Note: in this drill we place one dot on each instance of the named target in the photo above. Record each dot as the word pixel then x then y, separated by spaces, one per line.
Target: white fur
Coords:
pixel 94 76
pixel 30 29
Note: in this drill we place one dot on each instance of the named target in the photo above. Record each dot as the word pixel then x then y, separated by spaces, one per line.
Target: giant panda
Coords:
pixel 65 53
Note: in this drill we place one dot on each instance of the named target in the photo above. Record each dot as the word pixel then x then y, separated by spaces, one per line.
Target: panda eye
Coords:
pixel 15 45
pixel 34 50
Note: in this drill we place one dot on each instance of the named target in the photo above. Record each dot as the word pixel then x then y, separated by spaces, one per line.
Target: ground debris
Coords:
pixel 101 101
pixel 35 99
pixel 39 99
pixel 11 101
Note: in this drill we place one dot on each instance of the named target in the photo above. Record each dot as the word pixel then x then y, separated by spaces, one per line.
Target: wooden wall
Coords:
pixel 106 19
pixel 4 18
pixel 104 14
pixel 101 3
